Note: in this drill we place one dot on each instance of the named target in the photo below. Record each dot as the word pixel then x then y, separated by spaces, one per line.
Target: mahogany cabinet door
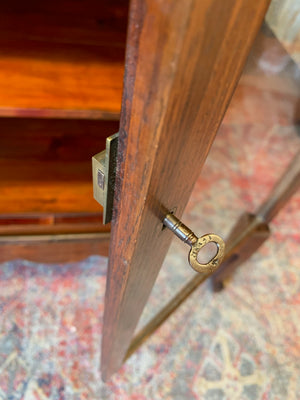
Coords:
pixel 183 61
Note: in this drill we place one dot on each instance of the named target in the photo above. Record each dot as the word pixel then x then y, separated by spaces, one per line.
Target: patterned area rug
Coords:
pixel 242 343
pixel 239 344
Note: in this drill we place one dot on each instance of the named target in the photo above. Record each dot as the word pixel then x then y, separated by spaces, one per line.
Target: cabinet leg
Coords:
pixel 254 228
pixel 257 233
pixel 246 237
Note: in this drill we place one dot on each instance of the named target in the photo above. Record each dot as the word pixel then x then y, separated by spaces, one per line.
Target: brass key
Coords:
pixel 187 236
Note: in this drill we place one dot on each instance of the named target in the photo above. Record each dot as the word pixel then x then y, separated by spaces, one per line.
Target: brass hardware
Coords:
pixel 196 244
pixel 104 175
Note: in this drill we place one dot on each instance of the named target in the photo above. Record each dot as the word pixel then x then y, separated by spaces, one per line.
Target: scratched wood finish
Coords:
pixel 62 59
pixel 183 61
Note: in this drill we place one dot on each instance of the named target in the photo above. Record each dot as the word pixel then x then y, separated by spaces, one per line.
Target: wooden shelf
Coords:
pixel 45 165
pixel 63 194
pixel 62 59
pixel 52 223
pixel 54 248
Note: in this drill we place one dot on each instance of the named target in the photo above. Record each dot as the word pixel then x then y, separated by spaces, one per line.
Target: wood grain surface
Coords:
pixel 53 248
pixel 182 64
pixel 64 59
pixel 45 165
pixel 51 223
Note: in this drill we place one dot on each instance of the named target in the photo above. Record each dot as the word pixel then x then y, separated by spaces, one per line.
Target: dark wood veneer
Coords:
pixel 183 62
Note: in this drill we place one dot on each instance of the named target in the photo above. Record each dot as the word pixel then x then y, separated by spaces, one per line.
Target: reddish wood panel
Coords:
pixel 183 62
pixel 45 165
pixel 43 223
pixel 53 249
pixel 106 12
pixel 60 60
pixel 87 22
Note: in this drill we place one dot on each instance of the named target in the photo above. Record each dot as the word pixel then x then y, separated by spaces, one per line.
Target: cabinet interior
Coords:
pixel 61 76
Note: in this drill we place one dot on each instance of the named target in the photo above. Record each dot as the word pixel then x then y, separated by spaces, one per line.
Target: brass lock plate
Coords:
pixel 104 176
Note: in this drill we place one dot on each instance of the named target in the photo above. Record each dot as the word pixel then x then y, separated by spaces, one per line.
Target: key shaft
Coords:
pixel 180 230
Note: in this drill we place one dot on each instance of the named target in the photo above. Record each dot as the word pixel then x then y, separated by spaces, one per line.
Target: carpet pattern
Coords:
pixel 239 344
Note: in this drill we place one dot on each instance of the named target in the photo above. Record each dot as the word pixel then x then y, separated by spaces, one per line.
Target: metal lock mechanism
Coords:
pixel 104 176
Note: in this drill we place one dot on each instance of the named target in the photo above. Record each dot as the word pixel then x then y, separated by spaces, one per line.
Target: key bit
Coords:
pixel 187 236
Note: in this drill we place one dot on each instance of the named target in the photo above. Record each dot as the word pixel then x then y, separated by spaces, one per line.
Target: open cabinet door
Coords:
pixel 183 61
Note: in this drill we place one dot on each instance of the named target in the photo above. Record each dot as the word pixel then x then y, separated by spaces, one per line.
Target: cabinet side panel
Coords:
pixel 183 62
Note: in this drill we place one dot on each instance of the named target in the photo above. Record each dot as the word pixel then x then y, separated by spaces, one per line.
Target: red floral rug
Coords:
pixel 240 344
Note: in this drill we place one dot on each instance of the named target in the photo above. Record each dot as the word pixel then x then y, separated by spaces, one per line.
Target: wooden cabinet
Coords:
pixel 183 61
pixel 61 77
pixel 61 83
